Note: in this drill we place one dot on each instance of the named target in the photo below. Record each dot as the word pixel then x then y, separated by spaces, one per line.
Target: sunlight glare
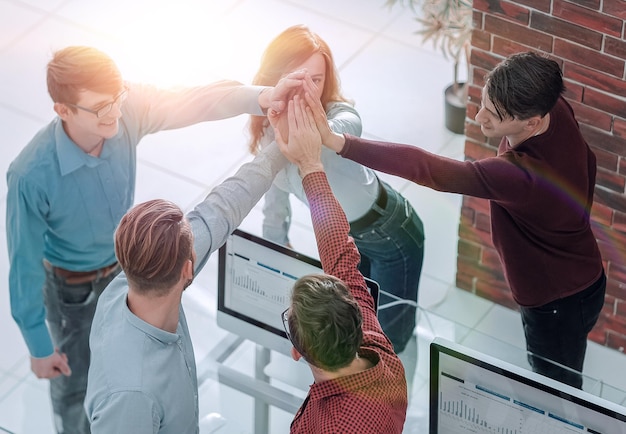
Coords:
pixel 174 45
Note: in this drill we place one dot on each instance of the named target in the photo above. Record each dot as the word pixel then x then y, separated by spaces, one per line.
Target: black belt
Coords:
pixel 372 215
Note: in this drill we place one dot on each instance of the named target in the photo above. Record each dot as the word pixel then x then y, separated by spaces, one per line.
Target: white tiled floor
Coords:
pixel 396 82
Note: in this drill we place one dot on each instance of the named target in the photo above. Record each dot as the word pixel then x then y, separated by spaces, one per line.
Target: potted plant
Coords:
pixel 448 24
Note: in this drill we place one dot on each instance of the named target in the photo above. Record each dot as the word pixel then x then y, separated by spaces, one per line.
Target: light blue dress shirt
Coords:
pixel 143 379
pixel 64 205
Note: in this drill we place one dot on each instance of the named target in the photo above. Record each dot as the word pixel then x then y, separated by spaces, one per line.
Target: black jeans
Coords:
pixel 557 332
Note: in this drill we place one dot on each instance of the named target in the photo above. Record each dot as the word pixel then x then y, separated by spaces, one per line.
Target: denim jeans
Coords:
pixel 392 253
pixel 557 332
pixel 69 313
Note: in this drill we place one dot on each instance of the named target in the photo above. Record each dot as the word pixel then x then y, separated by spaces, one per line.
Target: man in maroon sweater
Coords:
pixel 540 190
pixel 360 385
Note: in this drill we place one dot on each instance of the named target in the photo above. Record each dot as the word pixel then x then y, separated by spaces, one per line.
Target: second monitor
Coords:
pixel 255 277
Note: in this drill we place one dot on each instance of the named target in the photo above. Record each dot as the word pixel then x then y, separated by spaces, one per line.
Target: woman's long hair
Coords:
pixel 284 54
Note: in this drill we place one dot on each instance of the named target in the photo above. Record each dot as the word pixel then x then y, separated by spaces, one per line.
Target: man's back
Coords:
pixel 139 372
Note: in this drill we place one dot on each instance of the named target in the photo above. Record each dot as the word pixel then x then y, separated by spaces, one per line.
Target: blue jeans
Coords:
pixel 69 313
pixel 392 253
pixel 557 332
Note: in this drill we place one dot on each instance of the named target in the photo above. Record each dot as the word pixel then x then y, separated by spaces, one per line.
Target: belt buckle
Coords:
pixel 104 272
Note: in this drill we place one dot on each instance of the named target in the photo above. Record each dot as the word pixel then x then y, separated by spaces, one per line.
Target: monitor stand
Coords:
pixel 258 386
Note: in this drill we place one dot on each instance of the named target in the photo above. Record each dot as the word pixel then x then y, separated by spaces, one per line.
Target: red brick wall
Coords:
pixel 588 38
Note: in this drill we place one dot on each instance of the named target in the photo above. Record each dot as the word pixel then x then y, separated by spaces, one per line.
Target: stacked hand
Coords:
pixel 304 143
pixel 301 130
pixel 275 99
pixel 330 139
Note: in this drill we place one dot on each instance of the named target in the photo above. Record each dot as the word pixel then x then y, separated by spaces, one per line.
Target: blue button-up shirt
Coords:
pixel 64 205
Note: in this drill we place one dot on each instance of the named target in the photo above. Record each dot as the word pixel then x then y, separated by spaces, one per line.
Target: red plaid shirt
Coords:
pixel 372 401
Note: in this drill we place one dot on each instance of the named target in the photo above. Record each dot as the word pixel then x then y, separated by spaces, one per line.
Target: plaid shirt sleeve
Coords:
pixel 370 401
pixel 338 253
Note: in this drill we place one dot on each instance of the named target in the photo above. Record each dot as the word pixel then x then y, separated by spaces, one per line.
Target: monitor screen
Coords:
pixel 471 392
pixel 255 277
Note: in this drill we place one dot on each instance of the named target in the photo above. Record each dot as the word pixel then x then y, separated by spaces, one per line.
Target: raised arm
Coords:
pixel 338 253
pixel 157 109
pixel 229 203
pixel 499 179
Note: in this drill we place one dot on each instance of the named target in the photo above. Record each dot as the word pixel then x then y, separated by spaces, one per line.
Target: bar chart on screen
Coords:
pixel 472 392
pixel 474 408
pixel 259 287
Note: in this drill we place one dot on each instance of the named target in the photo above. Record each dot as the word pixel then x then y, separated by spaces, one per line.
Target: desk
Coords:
pixel 260 386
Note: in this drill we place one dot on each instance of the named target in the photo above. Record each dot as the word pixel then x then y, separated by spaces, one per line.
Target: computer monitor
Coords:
pixel 255 277
pixel 471 392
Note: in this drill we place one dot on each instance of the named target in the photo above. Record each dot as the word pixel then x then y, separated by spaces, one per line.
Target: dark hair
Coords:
pixel 152 243
pixel 325 321
pixel 75 69
pixel 289 49
pixel 524 85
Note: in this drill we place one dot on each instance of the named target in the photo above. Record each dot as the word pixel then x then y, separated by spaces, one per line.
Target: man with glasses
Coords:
pixel 67 191
pixel 103 110
pixel 360 385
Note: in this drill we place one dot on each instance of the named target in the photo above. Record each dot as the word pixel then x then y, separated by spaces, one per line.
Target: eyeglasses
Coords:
pixel 105 109
pixel 285 318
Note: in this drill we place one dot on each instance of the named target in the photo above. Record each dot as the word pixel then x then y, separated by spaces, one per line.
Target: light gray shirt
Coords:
pixel 355 186
pixel 143 379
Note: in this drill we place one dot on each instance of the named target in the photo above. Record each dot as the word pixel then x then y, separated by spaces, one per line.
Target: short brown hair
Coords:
pixel 325 321
pixel 152 243
pixel 77 68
